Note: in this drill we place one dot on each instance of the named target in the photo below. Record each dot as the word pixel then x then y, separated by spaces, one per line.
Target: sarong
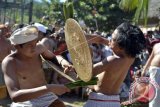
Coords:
pixel 42 101
pixel 102 100
pixel 155 76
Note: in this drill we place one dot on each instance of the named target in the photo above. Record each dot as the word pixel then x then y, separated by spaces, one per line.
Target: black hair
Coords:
pixel 131 39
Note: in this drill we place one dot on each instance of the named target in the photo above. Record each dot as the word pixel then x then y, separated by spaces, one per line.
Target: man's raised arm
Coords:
pixel 93 38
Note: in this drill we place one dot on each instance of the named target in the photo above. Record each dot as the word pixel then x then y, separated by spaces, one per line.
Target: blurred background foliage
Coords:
pixel 101 15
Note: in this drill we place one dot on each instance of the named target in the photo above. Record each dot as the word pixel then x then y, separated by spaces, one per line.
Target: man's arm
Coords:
pixel 49 55
pixel 92 38
pixel 64 63
pixel 20 95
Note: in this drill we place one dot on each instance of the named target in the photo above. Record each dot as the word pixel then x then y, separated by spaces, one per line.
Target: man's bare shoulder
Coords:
pixel 156 48
pixel 47 41
pixel 40 48
pixel 112 61
pixel 9 61
pixel 157 45
pixel 112 58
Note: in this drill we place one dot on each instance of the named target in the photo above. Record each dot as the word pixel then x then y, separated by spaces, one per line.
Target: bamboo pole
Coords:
pixel 58 70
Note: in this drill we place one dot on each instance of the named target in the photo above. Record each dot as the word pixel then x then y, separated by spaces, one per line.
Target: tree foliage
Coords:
pixel 68 9
pixel 140 6
pixel 53 9
pixel 105 13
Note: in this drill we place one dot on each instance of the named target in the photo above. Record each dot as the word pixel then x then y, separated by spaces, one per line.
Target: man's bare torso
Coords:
pixel 110 81
pixel 156 59
pixel 29 72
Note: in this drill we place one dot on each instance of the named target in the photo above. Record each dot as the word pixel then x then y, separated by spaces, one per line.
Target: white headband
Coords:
pixel 41 27
pixel 24 35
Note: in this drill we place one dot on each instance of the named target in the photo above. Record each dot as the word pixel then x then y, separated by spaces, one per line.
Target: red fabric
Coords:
pixel 61 49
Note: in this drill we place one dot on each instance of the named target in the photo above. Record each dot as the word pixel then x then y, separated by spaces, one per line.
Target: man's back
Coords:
pixel 111 79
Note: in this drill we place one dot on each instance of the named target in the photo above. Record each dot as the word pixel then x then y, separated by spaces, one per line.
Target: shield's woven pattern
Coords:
pixel 78 49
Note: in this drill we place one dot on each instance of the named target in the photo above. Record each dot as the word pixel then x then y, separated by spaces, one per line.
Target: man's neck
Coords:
pixel 120 54
pixel 23 57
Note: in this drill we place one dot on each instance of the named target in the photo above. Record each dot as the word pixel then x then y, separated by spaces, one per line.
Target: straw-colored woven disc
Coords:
pixel 78 49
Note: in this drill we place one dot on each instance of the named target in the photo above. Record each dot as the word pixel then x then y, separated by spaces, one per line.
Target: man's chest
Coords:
pixel 29 68
pixel 30 74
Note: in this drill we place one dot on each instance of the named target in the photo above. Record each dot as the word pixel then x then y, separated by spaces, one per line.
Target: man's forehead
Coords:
pixel 30 42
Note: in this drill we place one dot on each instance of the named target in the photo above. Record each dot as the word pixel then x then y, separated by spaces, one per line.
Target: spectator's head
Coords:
pixel 42 30
pixel 129 38
pixel 4 31
pixel 59 36
pixel 149 33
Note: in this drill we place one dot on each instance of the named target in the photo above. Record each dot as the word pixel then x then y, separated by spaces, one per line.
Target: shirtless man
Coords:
pixel 5 49
pixel 153 66
pixel 23 72
pixel 127 42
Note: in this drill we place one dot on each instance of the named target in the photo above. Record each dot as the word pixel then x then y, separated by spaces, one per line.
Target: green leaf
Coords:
pixel 139 11
pixel 146 5
pixel 80 83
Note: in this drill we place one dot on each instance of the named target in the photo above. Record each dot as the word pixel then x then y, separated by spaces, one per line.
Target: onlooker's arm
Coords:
pixel 147 63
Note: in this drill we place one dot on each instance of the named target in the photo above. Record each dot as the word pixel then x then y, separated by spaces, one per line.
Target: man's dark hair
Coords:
pixel 131 39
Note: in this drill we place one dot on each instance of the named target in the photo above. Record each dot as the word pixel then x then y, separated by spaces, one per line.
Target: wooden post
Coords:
pixel 22 10
pixel 17 7
pixel 4 12
pixel 0 16
pixel 30 11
